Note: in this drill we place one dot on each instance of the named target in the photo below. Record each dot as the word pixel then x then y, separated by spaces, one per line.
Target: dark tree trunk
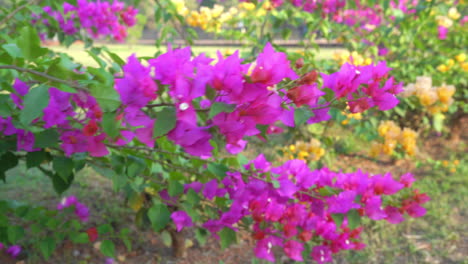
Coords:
pixel 178 243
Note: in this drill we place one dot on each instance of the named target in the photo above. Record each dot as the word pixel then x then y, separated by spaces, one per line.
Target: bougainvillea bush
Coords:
pixel 170 130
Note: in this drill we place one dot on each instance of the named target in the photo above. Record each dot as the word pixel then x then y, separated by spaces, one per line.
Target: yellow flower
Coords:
pixel 302 155
pixel 464 66
pixel 247 6
pixel 445 93
pixel 428 98
pixel 389 146
pixel 345 122
pixel 456 162
pixel 444 21
pixel 453 13
pixel 461 57
pixel 292 148
pixel 442 68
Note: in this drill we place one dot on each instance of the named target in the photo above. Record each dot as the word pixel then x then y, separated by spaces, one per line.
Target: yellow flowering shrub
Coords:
pixel 341 57
pixel 307 151
pixel 434 99
pixel 393 137
pixel 458 62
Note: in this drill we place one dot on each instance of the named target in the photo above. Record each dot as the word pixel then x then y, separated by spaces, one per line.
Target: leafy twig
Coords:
pixel 12 14
pixel 44 75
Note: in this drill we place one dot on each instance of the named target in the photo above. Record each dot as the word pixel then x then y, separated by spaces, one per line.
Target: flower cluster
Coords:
pixel 81 211
pixel 345 84
pixel 451 63
pixel 215 18
pixel 210 19
pixel 306 151
pixel 240 99
pixel 12 251
pixel 435 99
pixel 366 18
pixel 62 112
pixel 97 18
pixel 291 205
pixel 354 58
pixel 350 116
pixel 393 135
pixel 451 165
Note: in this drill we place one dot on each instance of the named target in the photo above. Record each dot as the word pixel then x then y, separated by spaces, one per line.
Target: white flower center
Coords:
pixel 183 106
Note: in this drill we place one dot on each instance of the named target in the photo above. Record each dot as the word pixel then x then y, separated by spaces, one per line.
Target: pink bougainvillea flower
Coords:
pixel 293 249
pixel 96 146
pixel 272 67
pixel 321 254
pixel 181 219
pixel 442 32
pixel 14 251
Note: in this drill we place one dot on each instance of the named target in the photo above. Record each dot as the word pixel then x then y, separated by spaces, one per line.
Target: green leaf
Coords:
pixel 34 102
pixel 60 184
pixel 63 166
pixel 5 109
pixel 201 235
pixel 354 219
pixel 115 57
pixel 80 238
pixel 175 188
pixel 110 125
pixel 263 130
pixel 218 107
pixel 34 159
pixel 218 169
pixel 166 238
pixel 328 191
pixel 7 161
pixel 15 233
pixel 165 121
pixel 12 50
pixel 301 115
pixel 104 229
pixel 159 216
pixel 29 43
pixel 47 246
pixel 45 139
pixel 438 122
pixel 105 94
pixel 276 184
pixel 228 237
pixel 192 197
pixel 338 218
pixel 108 248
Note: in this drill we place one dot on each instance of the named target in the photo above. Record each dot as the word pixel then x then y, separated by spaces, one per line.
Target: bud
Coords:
pixel 309 78
pixel 299 63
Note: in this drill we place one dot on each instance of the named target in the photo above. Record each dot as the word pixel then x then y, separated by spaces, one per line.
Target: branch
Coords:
pixel 179 30
pixel 44 75
pixel 12 14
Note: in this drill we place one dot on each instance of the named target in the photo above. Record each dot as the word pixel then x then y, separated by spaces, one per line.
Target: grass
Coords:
pixel 78 52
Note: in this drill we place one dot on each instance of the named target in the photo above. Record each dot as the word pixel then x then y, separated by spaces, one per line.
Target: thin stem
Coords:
pixel 44 75
pixel 12 14
pixel 179 30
